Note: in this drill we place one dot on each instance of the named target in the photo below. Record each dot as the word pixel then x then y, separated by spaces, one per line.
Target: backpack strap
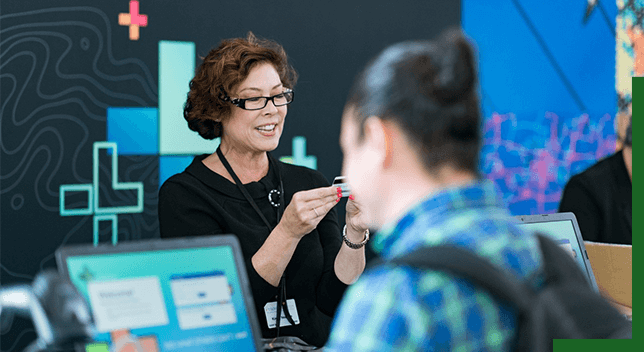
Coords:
pixel 557 266
pixel 481 272
pixel 594 316
pixel 565 291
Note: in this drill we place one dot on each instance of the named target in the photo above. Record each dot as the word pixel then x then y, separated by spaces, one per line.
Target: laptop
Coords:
pixel 188 294
pixel 564 229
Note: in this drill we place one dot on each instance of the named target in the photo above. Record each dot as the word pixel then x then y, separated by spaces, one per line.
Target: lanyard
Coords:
pixel 281 289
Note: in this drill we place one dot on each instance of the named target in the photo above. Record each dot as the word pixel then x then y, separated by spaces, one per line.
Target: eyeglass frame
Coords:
pixel 241 103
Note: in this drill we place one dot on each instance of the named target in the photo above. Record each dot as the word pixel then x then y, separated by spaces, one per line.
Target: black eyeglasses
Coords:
pixel 258 103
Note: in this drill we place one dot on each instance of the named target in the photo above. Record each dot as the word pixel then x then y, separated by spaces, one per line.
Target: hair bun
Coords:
pixel 207 128
pixel 461 130
pixel 455 74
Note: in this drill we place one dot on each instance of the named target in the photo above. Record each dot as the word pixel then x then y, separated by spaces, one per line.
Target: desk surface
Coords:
pixel 613 269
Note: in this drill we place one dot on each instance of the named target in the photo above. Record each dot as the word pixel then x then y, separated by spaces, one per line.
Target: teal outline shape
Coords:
pixel 299 154
pixel 138 208
pixel 106 213
pixel 115 223
pixel 76 188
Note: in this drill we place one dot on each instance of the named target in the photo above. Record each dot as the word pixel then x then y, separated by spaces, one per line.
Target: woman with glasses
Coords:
pixel 296 253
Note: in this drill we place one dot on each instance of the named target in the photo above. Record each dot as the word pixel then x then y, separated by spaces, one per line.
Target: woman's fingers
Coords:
pixel 328 206
pixel 352 205
pixel 316 197
pixel 318 212
pixel 318 193
pixel 307 208
pixel 354 215
pixel 325 204
pixel 324 207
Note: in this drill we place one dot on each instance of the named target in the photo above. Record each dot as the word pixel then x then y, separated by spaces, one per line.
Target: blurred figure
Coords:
pixel 411 139
pixel 60 315
pixel 602 196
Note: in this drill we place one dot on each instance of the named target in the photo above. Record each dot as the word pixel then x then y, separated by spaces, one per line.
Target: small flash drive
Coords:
pixel 341 181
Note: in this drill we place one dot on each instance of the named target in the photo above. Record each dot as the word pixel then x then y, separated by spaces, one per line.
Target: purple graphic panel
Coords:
pixel 530 160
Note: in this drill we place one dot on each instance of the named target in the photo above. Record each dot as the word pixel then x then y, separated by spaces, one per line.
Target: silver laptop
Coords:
pixel 563 228
pixel 189 294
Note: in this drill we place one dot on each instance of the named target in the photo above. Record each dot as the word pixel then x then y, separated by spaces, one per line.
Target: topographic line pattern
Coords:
pixel 59 71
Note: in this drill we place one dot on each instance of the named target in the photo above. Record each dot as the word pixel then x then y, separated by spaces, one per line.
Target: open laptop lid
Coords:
pixel 563 228
pixel 188 294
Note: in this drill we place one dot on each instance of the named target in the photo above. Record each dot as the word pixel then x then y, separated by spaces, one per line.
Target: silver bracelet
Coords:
pixel 354 245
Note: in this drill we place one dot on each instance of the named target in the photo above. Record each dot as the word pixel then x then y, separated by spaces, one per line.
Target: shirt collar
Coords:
pixel 431 210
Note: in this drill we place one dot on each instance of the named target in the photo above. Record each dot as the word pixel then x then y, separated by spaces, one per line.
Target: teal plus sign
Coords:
pixel 299 155
pixel 93 204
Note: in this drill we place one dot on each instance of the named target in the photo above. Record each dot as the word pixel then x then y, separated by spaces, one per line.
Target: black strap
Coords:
pixel 243 190
pixel 464 263
pixel 558 268
pixel 281 303
pixel 281 289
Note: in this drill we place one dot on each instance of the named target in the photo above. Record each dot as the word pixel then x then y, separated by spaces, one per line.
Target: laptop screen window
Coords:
pixel 164 300
pixel 563 232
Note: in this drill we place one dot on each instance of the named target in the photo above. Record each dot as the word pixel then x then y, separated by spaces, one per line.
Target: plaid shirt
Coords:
pixel 406 309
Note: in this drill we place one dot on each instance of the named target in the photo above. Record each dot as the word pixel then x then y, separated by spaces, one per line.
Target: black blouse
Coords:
pixel 602 200
pixel 199 201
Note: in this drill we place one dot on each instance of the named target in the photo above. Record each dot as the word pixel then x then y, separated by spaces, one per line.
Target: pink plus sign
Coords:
pixel 133 19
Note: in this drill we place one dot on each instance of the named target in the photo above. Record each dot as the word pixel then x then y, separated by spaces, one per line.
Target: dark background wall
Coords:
pixel 64 63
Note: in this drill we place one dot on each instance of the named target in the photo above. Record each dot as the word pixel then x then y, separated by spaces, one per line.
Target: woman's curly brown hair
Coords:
pixel 221 71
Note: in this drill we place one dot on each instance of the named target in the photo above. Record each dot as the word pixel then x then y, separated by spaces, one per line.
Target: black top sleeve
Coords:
pixel 182 215
pixel 601 197
pixel 179 218
pixel 578 199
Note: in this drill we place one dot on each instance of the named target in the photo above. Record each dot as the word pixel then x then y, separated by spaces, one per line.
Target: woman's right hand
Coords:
pixel 307 209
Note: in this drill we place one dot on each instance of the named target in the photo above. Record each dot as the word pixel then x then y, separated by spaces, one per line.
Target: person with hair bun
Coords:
pixel 295 251
pixel 411 139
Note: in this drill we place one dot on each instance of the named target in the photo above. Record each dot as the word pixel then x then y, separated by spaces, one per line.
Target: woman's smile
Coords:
pixel 267 130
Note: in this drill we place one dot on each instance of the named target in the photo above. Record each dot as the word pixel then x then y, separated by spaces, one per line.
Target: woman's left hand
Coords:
pixel 355 218
pixel 350 262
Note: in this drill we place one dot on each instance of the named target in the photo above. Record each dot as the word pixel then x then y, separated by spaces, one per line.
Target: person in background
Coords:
pixel 295 251
pixel 411 140
pixel 601 197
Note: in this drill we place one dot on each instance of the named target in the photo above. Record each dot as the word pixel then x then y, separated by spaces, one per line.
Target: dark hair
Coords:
pixel 428 88
pixel 221 71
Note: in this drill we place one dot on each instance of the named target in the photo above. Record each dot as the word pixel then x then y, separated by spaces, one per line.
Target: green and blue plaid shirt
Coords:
pixel 406 309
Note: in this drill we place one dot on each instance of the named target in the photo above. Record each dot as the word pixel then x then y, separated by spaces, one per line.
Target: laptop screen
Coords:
pixel 563 233
pixel 563 228
pixel 186 299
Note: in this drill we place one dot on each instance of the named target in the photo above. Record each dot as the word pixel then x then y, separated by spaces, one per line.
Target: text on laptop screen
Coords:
pixel 164 300
pixel 563 233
